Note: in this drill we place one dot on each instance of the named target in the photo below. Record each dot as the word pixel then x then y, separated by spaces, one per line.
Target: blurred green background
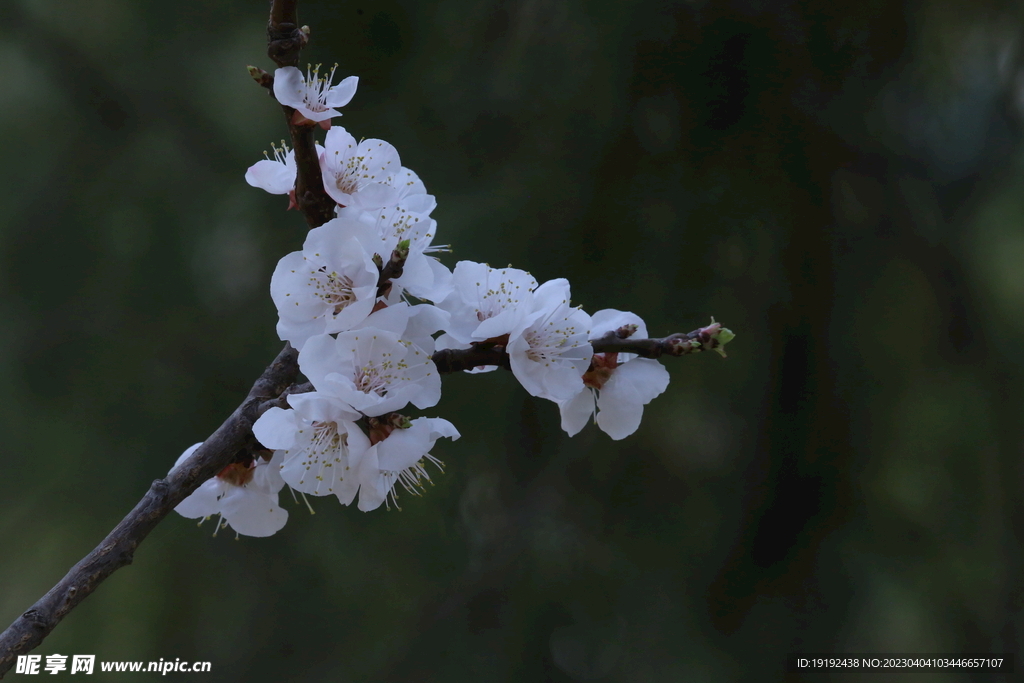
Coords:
pixel 840 182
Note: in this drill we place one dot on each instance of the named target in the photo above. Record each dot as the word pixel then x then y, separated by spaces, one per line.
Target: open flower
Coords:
pixel 486 302
pixel 357 173
pixel 329 286
pixel 372 370
pixel 311 96
pixel 277 175
pixel 317 444
pixel 549 350
pixel 617 385
pixel 243 494
pixel 399 456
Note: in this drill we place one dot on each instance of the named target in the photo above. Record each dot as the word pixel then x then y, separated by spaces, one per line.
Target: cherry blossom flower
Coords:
pixel 617 385
pixel 243 494
pixel 486 302
pixel 313 97
pixel 549 351
pixel 357 174
pixel 374 371
pixel 317 444
pixel 277 175
pixel 329 286
pixel 399 456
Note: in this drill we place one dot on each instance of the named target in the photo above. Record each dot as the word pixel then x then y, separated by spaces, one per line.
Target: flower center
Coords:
pixel 326 449
pixel 546 341
pixel 315 94
pixel 334 289
pixel 495 299
pixel 371 378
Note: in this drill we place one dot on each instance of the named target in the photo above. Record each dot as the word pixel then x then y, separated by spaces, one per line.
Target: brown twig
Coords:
pixel 118 548
pixel 311 198
pixel 284 37
pixel 282 400
pixel 457 360
pixel 710 338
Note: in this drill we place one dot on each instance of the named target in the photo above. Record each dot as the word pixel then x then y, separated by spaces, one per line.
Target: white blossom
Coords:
pixel 372 370
pixel 548 350
pixel 357 174
pixel 486 302
pixel 277 175
pixel 329 286
pixel 317 444
pixel 400 458
pixel 617 386
pixel 313 97
pixel 244 495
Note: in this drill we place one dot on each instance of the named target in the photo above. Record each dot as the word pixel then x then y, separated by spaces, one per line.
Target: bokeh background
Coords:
pixel 840 182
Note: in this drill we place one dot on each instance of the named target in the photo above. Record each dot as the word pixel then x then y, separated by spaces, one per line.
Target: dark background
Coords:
pixel 839 182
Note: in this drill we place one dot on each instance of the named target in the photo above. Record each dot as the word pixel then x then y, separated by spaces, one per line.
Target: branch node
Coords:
pixel 261 77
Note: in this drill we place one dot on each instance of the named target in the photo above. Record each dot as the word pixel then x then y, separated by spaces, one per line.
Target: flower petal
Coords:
pixel 577 411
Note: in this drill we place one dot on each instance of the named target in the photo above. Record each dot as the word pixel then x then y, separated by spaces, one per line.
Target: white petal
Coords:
pixel 373 488
pixel 341 94
pixel 289 87
pixel 277 428
pixel 252 513
pixel 337 143
pixel 577 411
pixel 632 385
pixel 320 358
pixel 318 407
pixel 646 377
pixel 371 196
pixel 393 319
pixel 266 477
pixel 272 176
pixel 204 501
pixel 618 419
pixel 551 380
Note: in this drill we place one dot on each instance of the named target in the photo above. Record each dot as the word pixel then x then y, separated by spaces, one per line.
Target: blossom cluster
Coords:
pixel 365 340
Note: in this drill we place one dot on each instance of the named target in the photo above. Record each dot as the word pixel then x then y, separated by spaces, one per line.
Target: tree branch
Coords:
pixel 118 548
pixel 713 337
pixel 456 360
pixel 310 196
pixel 284 42
pixel 284 37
